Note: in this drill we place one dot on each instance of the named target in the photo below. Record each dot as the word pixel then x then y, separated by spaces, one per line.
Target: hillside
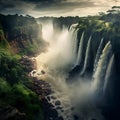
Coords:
pixel 19 36
pixel 22 33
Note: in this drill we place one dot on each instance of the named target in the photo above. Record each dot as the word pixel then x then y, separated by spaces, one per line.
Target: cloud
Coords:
pixel 63 5
pixel 55 7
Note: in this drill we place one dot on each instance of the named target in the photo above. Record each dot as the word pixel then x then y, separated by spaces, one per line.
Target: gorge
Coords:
pixel 77 62
pixel 80 69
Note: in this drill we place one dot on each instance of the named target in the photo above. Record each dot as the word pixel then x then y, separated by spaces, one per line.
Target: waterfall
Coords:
pixel 75 43
pixel 98 54
pixel 73 32
pixel 73 26
pixel 99 75
pixel 87 54
pixel 109 71
pixel 80 50
pixel 74 100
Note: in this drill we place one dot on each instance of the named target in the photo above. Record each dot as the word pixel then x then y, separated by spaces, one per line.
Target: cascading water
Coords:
pixel 109 72
pixel 80 50
pixel 99 51
pixel 56 62
pixel 75 43
pixel 73 101
pixel 87 54
pixel 47 33
pixel 73 38
pixel 99 75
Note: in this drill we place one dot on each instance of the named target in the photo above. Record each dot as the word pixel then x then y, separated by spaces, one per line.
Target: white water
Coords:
pixel 99 74
pixel 57 62
pixel 99 51
pixel 87 54
pixel 109 72
pixel 80 50
pixel 73 41
pixel 47 34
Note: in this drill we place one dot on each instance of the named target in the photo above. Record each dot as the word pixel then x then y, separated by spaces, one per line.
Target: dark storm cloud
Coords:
pixel 41 4
pixel 48 7
pixel 44 1
pixel 10 6
pixel 63 6
pixel 5 4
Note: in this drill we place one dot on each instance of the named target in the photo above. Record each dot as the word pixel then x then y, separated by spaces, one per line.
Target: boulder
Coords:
pixel 11 113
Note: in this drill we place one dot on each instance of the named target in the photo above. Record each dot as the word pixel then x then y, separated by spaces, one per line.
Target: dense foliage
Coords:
pixel 12 89
pixel 21 98
pixel 18 32
pixel 23 34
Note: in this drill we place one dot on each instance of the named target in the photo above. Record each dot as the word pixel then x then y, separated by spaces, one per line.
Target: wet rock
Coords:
pixel 53 113
pixel 28 63
pixel 76 117
pixel 44 90
pixel 57 102
pixel 42 71
pixel 48 98
pixel 60 118
pixel 75 71
pixel 72 108
pixel 59 107
pixel 53 97
pixel 11 113
pixel 62 110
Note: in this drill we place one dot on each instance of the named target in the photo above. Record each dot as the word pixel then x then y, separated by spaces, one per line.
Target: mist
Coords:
pixel 76 98
pixel 59 51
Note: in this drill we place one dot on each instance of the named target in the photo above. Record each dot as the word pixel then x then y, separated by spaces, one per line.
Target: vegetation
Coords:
pixel 23 34
pixel 21 98
pixel 12 89
pixel 19 36
pixel 106 26
pixel 17 32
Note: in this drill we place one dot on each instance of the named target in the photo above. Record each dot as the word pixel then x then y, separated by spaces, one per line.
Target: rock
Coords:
pixel 42 71
pixel 53 113
pixel 53 97
pixel 44 90
pixel 59 108
pixel 11 113
pixel 62 110
pixel 48 98
pixel 76 117
pixel 75 71
pixel 60 118
pixel 72 108
pixel 28 63
pixel 57 102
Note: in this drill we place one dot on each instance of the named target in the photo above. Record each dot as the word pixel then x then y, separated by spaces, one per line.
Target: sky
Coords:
pixel 56 8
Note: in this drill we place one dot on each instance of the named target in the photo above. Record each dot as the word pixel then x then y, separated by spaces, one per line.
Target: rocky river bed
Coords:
pixel 43 89
pixel 55 101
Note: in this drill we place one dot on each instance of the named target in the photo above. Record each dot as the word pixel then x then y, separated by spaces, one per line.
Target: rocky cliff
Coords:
pixel 22 33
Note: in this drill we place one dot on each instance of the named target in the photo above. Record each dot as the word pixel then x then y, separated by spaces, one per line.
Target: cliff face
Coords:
pixel 106 27
pixel 22 33
pixel 19 35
